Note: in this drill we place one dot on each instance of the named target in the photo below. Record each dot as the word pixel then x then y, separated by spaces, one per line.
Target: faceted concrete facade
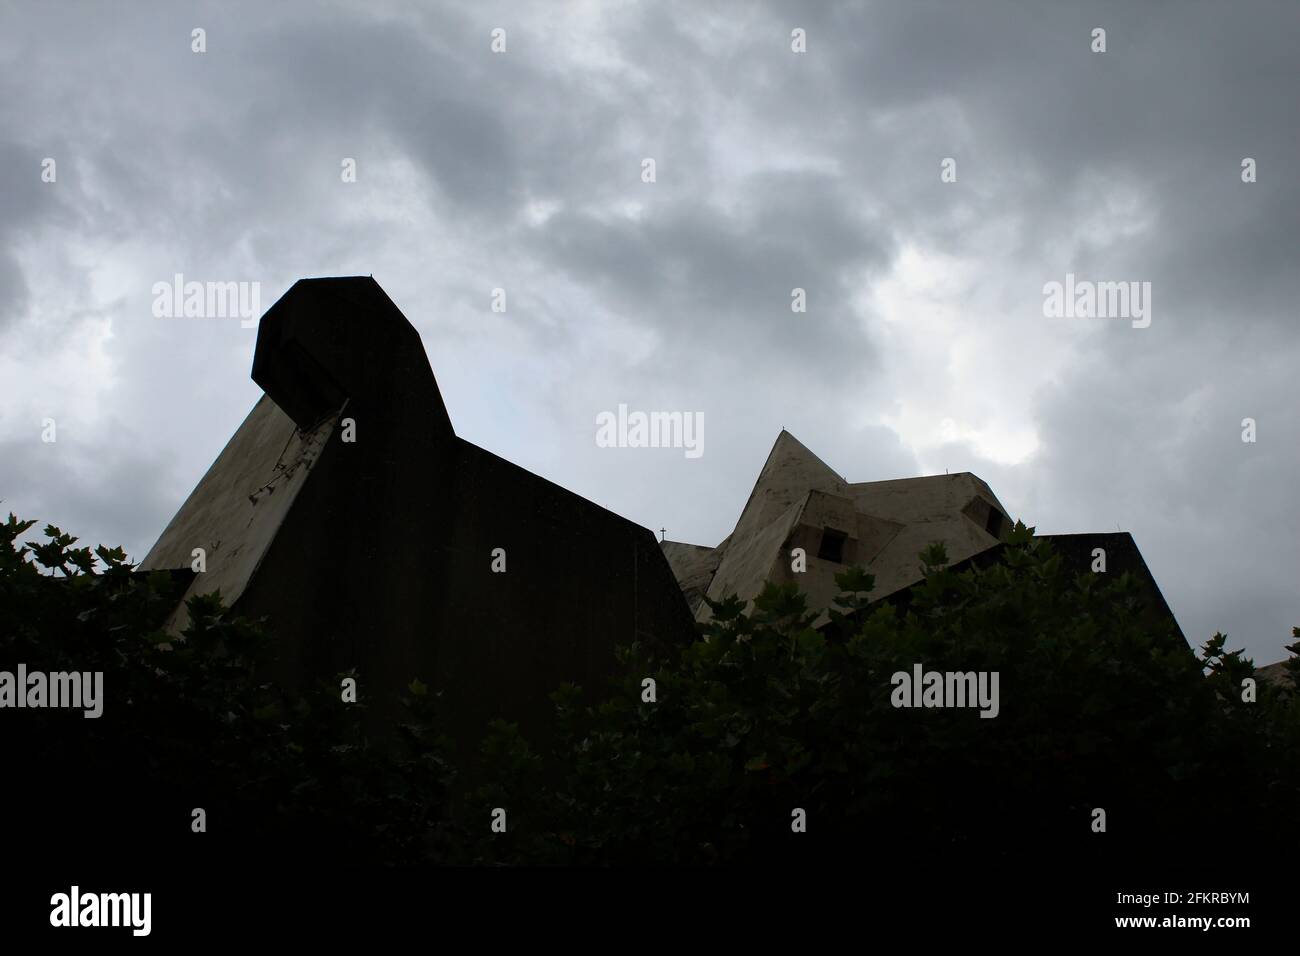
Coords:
pixel 377 553
pixel 800 502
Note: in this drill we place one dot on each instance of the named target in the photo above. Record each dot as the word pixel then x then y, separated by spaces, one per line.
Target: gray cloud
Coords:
pixel 99 490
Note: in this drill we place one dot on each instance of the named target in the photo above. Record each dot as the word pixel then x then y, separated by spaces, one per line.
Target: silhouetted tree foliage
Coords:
pixel 281 775
pixel 760 716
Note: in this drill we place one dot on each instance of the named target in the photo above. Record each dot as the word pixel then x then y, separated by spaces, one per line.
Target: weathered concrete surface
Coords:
pixel 237 508
pixel 1276 673
pixel 952 509
pixel 379 555
pixel 693 565
pixel 798 501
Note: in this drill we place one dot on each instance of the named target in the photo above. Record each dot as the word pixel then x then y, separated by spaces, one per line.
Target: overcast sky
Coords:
pixel 924 346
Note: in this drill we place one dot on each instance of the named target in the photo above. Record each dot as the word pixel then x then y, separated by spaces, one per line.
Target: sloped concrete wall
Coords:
pixel 380 558
pixel 237 508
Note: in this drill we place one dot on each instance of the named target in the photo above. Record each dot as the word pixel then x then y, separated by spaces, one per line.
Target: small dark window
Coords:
pixel 994 525
pixel 832 548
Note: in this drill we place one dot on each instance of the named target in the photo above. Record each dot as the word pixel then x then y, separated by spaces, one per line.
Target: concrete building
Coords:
pixel 346 510
pixel 798 501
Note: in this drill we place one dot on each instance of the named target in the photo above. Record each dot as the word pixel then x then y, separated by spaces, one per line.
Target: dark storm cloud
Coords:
pixel 1173 106
pixel 724 282
pixel 354 89
pixel 24 203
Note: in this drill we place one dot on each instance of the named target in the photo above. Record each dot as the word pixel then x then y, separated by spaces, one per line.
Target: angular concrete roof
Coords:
pixel 347 512
pixel 798 501
pixel 929 509
pixel 789 473
pixel 693 565
pixel 245 496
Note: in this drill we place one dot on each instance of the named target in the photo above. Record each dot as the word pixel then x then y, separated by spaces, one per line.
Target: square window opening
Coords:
pixel 832 547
